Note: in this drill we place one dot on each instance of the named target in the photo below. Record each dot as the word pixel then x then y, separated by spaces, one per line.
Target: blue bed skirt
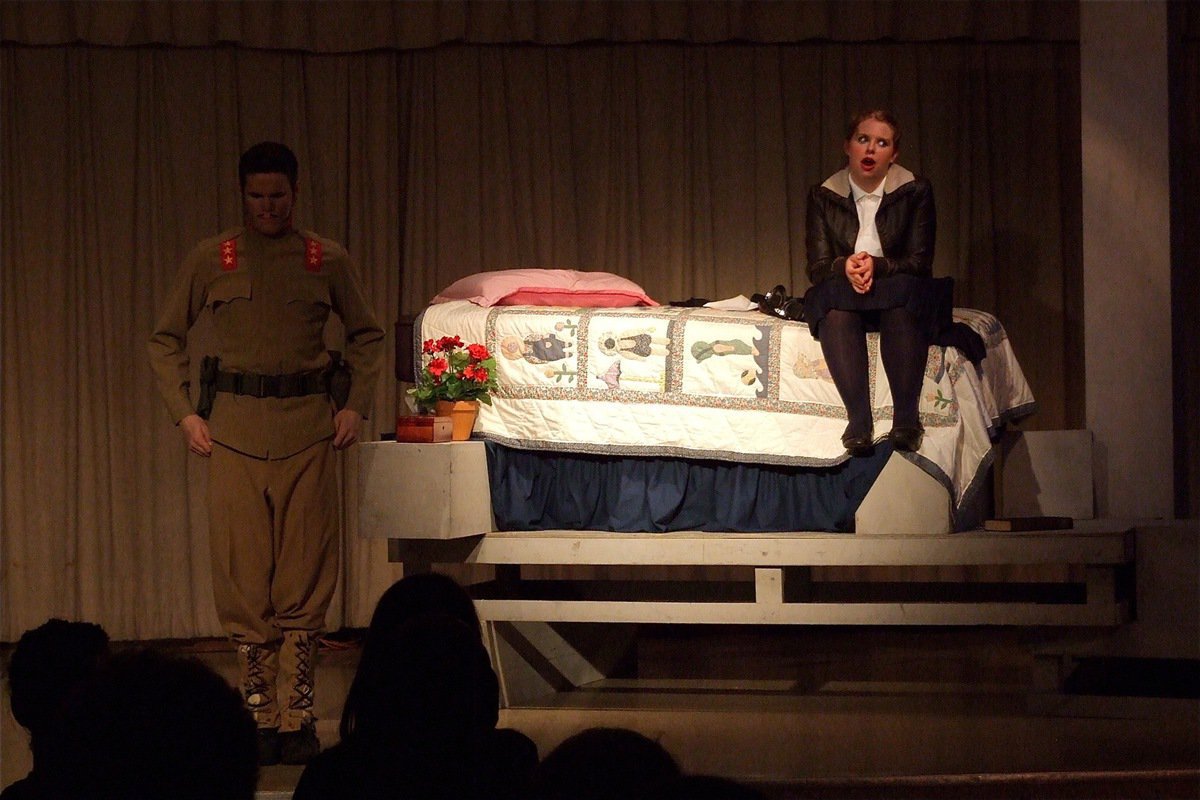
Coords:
pixel 542 490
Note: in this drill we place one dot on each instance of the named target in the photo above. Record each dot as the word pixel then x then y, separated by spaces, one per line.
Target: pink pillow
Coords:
pixel 546 287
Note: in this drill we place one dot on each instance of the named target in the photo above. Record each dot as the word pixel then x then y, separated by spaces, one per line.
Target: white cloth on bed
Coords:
pixel 738 303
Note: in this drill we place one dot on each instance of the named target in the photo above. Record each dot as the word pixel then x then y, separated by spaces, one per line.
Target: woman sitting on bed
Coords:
pixel 870 233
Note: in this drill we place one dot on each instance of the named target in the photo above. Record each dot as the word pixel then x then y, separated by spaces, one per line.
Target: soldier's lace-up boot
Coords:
pixel 297 727
pixel 259 668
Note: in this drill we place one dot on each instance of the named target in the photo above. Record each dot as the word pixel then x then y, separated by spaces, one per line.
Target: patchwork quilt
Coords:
pixel 708 384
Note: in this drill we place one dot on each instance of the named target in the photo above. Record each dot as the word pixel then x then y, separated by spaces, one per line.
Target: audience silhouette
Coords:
pixel 149 726
pixel 418 595
pixel 419 723
pixel 47 666
pixel 707 787
pixel 604 764
pixel 420 718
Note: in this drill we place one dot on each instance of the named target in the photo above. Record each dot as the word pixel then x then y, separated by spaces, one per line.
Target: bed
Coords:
pixel 673 418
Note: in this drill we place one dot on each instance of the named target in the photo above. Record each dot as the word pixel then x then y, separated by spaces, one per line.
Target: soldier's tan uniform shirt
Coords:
pixel 269 306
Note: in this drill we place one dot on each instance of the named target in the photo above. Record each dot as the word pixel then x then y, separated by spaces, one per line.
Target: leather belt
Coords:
pixel 294 384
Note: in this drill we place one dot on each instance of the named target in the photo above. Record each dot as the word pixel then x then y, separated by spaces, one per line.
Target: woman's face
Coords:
pixel 871 150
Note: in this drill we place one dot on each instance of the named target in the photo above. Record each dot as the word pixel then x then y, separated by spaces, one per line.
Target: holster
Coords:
pixel 208 385
pixel 337 379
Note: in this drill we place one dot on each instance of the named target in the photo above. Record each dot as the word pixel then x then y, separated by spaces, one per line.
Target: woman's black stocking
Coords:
pixel 844 343
pixel 905 350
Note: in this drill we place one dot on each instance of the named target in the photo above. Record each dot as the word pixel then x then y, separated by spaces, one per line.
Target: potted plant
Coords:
pixel 454 380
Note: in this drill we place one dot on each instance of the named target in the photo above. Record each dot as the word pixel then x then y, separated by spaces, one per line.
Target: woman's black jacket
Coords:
pixel 906 221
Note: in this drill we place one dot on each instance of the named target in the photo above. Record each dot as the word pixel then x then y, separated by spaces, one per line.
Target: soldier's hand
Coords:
pixel 195 431
pixel 347 424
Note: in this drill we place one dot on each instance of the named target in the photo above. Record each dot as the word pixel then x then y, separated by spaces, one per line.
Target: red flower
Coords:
pixel 454 371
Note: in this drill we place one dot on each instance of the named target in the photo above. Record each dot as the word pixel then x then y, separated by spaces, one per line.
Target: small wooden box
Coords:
pixel 423 428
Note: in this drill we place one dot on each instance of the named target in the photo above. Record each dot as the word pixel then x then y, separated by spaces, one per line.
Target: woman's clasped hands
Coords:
pixel 860 271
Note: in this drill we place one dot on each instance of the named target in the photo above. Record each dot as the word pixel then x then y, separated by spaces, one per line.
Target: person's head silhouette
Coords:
pixel 604 764
pixel 48 664
pixel 148 726
pixel 427 681
pixel 408 599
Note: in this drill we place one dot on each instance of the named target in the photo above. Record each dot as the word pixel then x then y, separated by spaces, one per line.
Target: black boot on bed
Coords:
pixel 907 438
pixel 858 444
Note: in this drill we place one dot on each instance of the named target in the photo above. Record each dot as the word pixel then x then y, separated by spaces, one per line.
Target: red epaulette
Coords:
pixel 314 255
pixel 229 255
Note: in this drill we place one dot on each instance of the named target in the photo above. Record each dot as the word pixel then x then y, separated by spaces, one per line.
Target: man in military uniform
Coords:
pixel 269 424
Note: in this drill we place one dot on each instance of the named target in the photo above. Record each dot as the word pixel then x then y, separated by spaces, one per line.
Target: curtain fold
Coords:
pixel 684 167
pixel 348 26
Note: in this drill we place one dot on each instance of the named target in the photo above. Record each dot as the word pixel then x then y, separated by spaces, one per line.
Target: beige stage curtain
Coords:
pixel 682 166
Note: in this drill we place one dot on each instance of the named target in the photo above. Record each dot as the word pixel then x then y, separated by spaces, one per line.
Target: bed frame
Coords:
pixel 549 585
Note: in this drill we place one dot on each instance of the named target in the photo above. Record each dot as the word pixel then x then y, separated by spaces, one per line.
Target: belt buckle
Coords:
pixel 250 383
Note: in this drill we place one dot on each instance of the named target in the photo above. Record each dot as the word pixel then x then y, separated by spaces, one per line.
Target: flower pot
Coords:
pixel 462 414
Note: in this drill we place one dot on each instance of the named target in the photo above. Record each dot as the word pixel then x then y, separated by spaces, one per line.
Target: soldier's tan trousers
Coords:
pixel 273 525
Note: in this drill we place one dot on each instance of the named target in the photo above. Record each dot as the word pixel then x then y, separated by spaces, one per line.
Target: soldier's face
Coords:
pixel 267 200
